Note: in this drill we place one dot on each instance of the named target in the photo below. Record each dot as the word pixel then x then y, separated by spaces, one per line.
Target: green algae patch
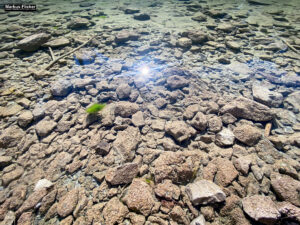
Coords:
pixel 96 107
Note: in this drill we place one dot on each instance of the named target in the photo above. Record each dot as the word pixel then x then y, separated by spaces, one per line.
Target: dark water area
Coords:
pixel 150 112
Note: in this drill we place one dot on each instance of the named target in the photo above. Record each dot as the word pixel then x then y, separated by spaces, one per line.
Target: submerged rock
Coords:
pixel 11 136
pixel 77 23
pixel 175 82
pixel 59 42
pixel 61 88
pixel 247 134
pixel 67 203
pixel 123 174
pixel 114 212
pixel 33 42
pixel 142 17
pixel 180 130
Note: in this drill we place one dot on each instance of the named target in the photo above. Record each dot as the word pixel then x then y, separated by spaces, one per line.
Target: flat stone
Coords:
pixel 11 137
pixel 5 161
pixel 12 175
pixel 247 109
pixel 199 121
pixel 200 220
pixel 197 36
pixel 61 88
pixel 139 197
pixel 175 82
pixel 205 192
pixel 59 42
pixel 263 95
pixel 67 203
pixel 225 137
pixel 114 212
pixel 167 190
pixel 138 119
pixel 25 118
pixel 33 42
pixel 261 208
pixel 247 134
pixel 123 174
pixel 226 172
pixel 10 110
pixel 44 127
pixel 179 130
pixel 123 91
pixel 141 17
pixel 242 164
pixel 43 183
pixel 286 188
pixel 289 211
pixel 9 218
pixel 78 23
pixel 125 35
pixel 184 42
pixel 85 56
pixel 126 109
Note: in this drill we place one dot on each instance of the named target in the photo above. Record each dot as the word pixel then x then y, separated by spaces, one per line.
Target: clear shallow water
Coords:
pixel 186 61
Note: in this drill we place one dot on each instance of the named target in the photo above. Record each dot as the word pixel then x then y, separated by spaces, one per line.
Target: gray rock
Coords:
pixel 131 11
pixel 61 88
pixel 33 42
pixel 263 95
pixel 5 161
pixel 12 175
pixel 247 109
pixel 125 35
pixel 215 124
pixel 44 127
pixel 123 174
pixel 200 220
pixel 78 23
pixel 294 100
pixel 184 42
pixel 200 17
pixel 138 119
pixel 205 192
pixel 123 91
pixel 11 137
pixel 225 137
pixel 242 164
pixel 10 110
pixel 197 36
pixel 59 42
pixel 261 208
pixel 84 56
pixel 247 134
pixel 9 218
pixel 289 211
pixel 126 109
pixel 199 121
pixel 176 81
pixel 179 130
pixel 142 17
pixel 233 45
pixel 25 118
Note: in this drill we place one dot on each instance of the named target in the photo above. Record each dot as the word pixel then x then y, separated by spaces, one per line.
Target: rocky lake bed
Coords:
pixel 201 123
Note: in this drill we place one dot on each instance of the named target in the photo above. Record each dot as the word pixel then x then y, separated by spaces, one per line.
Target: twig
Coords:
pixel 290 46
pixel 51 53
pixel 68 53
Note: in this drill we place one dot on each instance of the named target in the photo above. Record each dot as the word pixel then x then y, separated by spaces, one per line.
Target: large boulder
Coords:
pixel 33 42
pixel 247 109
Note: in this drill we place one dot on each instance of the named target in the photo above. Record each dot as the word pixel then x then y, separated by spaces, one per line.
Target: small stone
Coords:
pixel 247 134
pixel 180 130
pixel 138 119
pixel 44 127
pixel 25 118
pixel 12 175
pixel 114 212
pixel 205 192
pixel 226 172
pixel 184 42
pixel 11 137
pixel 10 110
pixel 123 91
pixel 123 174
pixel 67 203
pixel 131 11
pixel 61 88
pixel 261 208
pixel 158 125
pixel 126 109
pixel 43 183
pixel 233 45
pixel 200 220
pixel 175 82
pixel 225 137
pixel 26 218
pixel 242 164
pixel 85 57
pixel 199 121
pixel 141 17
pixel 9 218
pixel 59 42
pixel 77 23
pixel 5 161
pixel 215 124
pixel 167 190
pixel 33 42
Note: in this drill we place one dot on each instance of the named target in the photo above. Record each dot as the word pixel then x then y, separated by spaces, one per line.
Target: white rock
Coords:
pixel 43 183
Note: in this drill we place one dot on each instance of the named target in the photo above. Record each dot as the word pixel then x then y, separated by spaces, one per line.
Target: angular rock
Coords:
pixel 247 109
pixel 59 42
pixel 215 124
pixel 114 212
pixel 67 203
pixel 261 208
pixel 61 88
pixel 25 118
pixel 247 134
pixel 126 109
pixel 289 211
pixel 286 188
pixel 124 35
pixel 33 42
pixel 78 22
pixel 200 220
pixel 85 56
pixel 263 95
pixel 179 130
pixel 167 190
pixel 199 121
pixel 226 172
pixel 179 167
pixel 225 137
pixel 123 91
pixel 11 136
pixel 139 197
pixel 126 143
pixel 294 100
pixel 10 110
pixel 184 42
pixel 175 82
pixel 242 164
pixel 43 184
pixel 138 119
pixel 197 37
pixel 44 127
pixel 26 218
pixel 204 192
pixel 123 174
pixel 9 218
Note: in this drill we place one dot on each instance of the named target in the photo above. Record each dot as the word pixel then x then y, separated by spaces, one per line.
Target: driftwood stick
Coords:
pixel 51 53
pixel 290 46
pixel 68 53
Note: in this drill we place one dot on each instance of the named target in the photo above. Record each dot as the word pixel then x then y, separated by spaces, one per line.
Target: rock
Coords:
pixel 43 183
pixel 242 164
pixel 293 99
pixel 178 214
pixel 200 17
pixel 26 218
pixel 261 208
pixel 136 218
pixel 138 119
pixel 123 174
pixel 204 192
pixel 179 167
pixel 11 137
pixel 44 127
pixel 215 124
pixel 233 45
pixel 126 109
pixel 9 218
pixel 199 121
pixel 200 220
pixel 226 172
pixel 12 175
pixel 247 134
pixel 263 95
pixel 126 143
pixel 25 118
pixel 184 42
pixel 139 197
pixel 248 109
pixel 67 203
pixel 123 91
pixel 102 148
pixel 61 88
pixel 5 161
pixel 286 188
pixel 259 2
pixel 179 130
pixel 67 221
pixel 167 190
pixel 85 57
pixel 33 42
pixel 225 27
pixel 124 35
pixel 131 11
pixel 114 212
pixel 225 137
pixel 78 23
pixel 197 37
pixel 59 42
pixel 227 118
pixel 289 211
pixel 160 103
pixel 142 17
pixel 190 112
pixel 158 125
pixel 175 82
pixel 10 110
pixel 33 199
